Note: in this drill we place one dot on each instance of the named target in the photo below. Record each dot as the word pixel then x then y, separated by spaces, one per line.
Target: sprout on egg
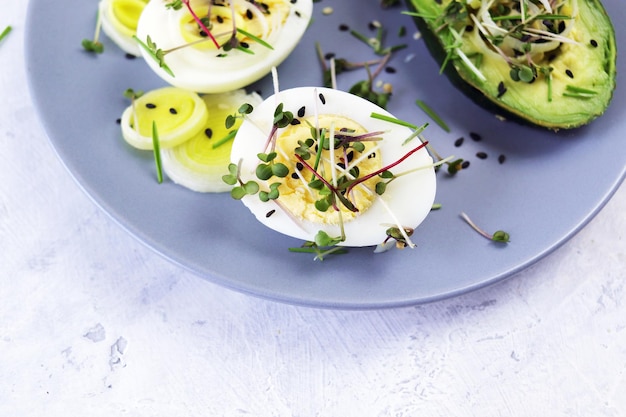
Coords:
pixel 335 158
pixel 214 47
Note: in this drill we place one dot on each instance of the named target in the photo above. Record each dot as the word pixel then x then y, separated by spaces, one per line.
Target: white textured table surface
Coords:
pixel 93 323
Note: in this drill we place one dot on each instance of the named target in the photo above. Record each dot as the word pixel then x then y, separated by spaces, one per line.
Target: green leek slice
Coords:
pixel 200 162
pixel 179 115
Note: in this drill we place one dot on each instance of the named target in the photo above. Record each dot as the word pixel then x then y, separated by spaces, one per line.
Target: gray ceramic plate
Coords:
pixel 548 188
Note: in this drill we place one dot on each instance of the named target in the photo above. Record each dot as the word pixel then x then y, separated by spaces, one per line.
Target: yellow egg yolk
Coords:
pixel 219 20
pixel 126 14
pixel 299 198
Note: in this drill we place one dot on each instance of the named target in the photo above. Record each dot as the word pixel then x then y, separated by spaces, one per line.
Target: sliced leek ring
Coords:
pixel 196 163
pixel 119 22
pixel 179 115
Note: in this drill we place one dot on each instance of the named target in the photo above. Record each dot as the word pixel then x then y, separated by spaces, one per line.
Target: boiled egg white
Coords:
pixel 119 22
pixel 404 204
pixel 191 55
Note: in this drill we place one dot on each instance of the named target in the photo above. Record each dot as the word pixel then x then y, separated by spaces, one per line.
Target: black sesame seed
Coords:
pixel 465 164
pixel 594 43
pixel 372 155
pixel 501 159
pixel 501 89
pixel 481 155
pixel 390 70
pixel 269 213
pixel 220 19
pixel 294 176
pixel 129 56
pixel 151 105
pixel 322 98
pixel 475 136
pixel 299 166
pixel 297 13
pixel 173 110
pixel 301 111
pixel 329 55
pixel 249 14
pixel 118 121
pixel 569 73
pixel 208 132
pixel 343 27
pixel 459 142
pixel 244 45
pixel 350 156
pixel 294 122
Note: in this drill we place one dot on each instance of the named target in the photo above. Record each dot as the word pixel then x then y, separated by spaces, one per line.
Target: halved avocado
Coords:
pixel 549 63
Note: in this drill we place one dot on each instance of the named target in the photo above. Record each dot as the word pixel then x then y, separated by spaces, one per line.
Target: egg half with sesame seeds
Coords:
pixel 314 160
pixel 212 47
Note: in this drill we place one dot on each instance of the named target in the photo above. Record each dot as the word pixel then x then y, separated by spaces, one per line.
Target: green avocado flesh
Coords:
pixel 546 62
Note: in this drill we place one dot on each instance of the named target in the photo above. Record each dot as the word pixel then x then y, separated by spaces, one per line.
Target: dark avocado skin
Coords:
pixel 488 101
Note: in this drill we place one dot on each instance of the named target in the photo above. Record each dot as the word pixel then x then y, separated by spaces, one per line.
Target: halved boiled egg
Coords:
pixel 119 22
pixel 245 40
pixel 337 167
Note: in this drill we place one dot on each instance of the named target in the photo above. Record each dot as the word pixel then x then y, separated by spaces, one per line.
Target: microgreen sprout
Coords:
pixel 499 236
pixel 132 95
pixel 282 119
pixel 155 52
pixel 230 121
pixel 454 164
pixel 5 32
pixel 376 43
pixel 233 178
pixel 269 168
pixel 365 88
pixel 322 246
pixel 339 66
pixel 242 111
pixel 175 5
pixel 396 234
pixel 94 45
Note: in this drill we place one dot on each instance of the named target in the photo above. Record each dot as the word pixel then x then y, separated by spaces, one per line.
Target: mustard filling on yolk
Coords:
pixel 300 199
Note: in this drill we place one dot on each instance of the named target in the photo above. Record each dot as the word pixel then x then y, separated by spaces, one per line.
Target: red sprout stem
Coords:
pixel 202 26
pixel 386 168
